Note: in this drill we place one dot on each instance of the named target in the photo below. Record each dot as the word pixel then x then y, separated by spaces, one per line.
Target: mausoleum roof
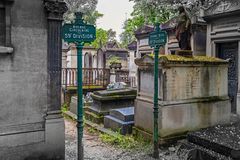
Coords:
pixel 132 46
pixel 146 29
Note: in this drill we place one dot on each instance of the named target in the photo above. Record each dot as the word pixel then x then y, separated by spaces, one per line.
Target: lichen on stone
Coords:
pixel 176 58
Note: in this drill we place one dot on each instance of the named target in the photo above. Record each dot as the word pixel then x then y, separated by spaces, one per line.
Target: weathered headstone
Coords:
pixel 120 120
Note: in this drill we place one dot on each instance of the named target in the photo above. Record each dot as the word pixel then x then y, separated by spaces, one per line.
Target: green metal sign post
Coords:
pixel 157 39
pixel 79 33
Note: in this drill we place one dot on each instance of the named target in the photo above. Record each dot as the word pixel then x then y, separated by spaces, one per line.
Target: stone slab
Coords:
pixel 118 125
pixel 123 114
pixel 127 91
pixel 106 106
pixel 191 151
pixel 223 139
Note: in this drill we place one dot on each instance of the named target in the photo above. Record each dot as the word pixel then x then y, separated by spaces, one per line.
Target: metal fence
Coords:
pixel 91 77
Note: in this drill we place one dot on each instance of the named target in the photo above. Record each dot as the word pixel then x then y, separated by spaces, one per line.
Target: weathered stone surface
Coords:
pixel 120 120
pixel 223 37
pixel 193 94
pixel 118 125
pixel 27 128
pixel 124 114
pixel 104 101
pixel 223 139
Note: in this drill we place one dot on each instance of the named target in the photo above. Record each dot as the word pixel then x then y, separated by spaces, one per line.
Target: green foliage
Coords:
pixel 64 108
pixel 111 35
pixel 101 38
pixel 144 13
pixel 129 27
pixel 92 130
pixel 89 17
pixel 92 17
pixel 193 6
pixel 88 8
pixel 114 59
pixel 124 142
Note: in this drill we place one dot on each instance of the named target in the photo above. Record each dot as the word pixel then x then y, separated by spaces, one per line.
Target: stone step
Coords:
pixel 123 114
pixel 118 125
pixel 223 139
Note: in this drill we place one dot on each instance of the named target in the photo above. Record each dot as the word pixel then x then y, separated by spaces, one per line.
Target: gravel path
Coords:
pixel 94 149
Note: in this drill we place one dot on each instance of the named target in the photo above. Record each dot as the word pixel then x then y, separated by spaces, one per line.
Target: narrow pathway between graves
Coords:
pixel 95 149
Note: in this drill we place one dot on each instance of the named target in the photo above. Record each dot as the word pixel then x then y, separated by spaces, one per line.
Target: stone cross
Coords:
pixel 224 6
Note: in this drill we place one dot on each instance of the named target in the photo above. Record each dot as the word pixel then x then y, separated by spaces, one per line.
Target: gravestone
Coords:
pixel 192 94
pixel 120 120
pixel 104 101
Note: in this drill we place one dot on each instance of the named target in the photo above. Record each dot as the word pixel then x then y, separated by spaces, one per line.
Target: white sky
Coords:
pixel 115 13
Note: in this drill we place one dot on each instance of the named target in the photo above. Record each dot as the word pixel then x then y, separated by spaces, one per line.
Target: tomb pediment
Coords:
pixel 222 7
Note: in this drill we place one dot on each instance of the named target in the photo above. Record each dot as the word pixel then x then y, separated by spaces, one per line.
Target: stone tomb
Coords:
pixel 122 119
pixel 104 101
pixel 193 94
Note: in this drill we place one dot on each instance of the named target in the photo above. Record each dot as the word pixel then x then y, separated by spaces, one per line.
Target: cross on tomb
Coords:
pixel 224 6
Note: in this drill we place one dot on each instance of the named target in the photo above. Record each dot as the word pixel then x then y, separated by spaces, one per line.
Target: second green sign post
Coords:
pixel 157 39
pixel 79 33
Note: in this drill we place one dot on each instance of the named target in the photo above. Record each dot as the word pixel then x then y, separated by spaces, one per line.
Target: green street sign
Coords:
pixel 79 32
pixel 157 38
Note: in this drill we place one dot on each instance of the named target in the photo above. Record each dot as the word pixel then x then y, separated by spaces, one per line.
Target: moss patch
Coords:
pixel 176 58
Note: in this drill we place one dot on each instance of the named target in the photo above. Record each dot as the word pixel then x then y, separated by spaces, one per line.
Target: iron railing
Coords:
pixel 91 77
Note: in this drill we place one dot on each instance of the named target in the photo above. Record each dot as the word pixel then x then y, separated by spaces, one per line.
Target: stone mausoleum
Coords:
pixel 31 124
pixel 223 41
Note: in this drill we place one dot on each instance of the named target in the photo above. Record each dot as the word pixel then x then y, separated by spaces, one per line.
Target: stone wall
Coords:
pixel 24 131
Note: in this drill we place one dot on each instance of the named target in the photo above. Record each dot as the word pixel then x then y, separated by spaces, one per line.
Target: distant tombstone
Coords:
pixel 120 119
pixel 106 100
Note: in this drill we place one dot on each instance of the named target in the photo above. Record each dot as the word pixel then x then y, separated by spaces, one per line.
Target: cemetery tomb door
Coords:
pixel 230 51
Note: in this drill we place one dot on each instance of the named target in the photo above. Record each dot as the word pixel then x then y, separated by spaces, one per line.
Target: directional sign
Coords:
pixel 79 32
pixel 157 38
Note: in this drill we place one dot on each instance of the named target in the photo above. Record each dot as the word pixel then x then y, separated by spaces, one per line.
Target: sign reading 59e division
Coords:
pixel 79 33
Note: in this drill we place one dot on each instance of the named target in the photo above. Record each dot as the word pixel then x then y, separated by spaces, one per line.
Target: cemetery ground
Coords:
pixel 99 146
